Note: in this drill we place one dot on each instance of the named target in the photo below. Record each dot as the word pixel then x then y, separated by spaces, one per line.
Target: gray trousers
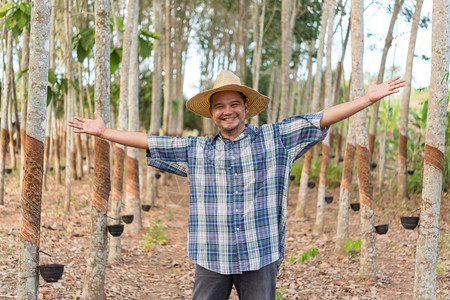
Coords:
pixel 251 285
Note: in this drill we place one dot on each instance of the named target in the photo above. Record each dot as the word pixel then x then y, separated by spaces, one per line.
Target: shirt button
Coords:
pixel 237 228
pixel 235 174
pixel 237 192
pixel 237 210
pixel 233 157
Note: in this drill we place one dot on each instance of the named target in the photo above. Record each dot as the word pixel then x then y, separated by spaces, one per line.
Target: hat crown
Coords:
pixel 226 77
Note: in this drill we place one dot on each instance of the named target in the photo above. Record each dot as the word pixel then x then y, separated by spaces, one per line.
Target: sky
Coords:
pixel 376 23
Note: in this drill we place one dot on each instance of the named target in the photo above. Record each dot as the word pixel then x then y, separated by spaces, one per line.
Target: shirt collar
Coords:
pixel 249 130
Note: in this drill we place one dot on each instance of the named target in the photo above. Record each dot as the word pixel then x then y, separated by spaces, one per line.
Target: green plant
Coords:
pixel 169 214
pixel 353 247
pixel 279 295
pixel 311 252
pixel 154 235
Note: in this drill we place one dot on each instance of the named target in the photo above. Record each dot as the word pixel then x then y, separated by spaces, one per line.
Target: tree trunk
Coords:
pixel 155 121
pixel 93 287
pixel 12 153
pixel 258 34
pixel 286 51
pixel 4 122
pixel 276 96
pixel 368 250
pixel 23 95
pixel 402 191
pixel 119 150
pixel 132 197
pixel 427 242
pixel 28 278
pixel 69 104
pixel 308 84
pixel 387 45
pixel 344 194
pixel 303 192
pixel 167 70
pixel 320 213
pixel 47 143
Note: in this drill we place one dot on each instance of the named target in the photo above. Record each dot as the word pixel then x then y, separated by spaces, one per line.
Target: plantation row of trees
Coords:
pixel 126 61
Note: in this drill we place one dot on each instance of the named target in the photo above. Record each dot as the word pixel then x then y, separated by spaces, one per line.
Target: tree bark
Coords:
pixel 427 242
pixel 303 192
pixel 155 121
pixel 402 191
pixel 132 196
pixel 28 278
pixel 23 94
pixel 4 122
pixel 119 150
pixel 167 70
pixel 368 250
pixel 69 105
pixel 258 34
pixel 93 287
pixel 387 45
pixel 320 213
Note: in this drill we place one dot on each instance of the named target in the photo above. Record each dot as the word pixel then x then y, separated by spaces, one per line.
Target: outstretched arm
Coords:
pixel 374 93
pixel 97 127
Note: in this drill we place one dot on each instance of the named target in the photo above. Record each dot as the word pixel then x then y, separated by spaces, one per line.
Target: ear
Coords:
pixel 246 107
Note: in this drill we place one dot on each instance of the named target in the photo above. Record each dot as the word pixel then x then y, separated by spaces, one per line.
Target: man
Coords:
pixel 238 181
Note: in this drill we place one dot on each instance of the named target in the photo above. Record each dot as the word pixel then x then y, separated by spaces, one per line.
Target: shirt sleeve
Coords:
pixel 168 154
pixel 300 133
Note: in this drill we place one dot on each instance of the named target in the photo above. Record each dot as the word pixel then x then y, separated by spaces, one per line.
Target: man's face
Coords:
pixel 228 112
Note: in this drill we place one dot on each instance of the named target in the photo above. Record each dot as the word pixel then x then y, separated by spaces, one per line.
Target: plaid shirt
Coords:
pixel 238 190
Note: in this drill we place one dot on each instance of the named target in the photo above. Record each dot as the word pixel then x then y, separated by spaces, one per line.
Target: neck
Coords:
pixel 232 134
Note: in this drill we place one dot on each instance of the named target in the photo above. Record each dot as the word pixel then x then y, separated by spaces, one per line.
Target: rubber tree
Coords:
pixel 70 154
pixel 387 45
pixel 132 193
pixel 320 212
pixel 303 192
pixel 288 13
pixel 167 114
pixel 6 93
pixel 368 250
pixel 155 121
pixel 29 241
pixel 427 242
pixel 402 177
pixel 258 35
pixel 119 150
pixel 94 281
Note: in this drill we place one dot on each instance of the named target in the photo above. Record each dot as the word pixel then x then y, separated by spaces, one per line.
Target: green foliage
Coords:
pixel 169 214
pixel 155 235
pixel 279 295
pixel 311 252
pixel 353 246
pixel 115 59
pixel 17 16
pixel 83 43
pixel 145 45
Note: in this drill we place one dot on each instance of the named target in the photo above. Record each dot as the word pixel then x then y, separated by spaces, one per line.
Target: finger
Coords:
pixel 96 115
pixel 374 81
pixel 80 119
pixel 393 79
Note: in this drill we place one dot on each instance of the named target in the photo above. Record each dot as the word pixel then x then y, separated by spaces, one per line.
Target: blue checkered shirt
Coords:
pixel 238 190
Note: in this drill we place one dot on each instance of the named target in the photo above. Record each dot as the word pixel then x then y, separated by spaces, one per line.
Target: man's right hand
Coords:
pixel 93 127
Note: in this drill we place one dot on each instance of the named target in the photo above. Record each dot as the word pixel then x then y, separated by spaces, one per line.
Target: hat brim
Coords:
pixel 200 105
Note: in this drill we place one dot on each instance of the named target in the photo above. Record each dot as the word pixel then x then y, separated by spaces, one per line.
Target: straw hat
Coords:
pixel 227 81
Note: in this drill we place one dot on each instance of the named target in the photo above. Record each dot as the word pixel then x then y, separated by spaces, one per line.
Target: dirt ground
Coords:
pixel 166 273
